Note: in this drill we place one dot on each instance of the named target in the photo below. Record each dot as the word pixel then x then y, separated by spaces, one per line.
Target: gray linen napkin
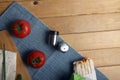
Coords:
pixel 58 65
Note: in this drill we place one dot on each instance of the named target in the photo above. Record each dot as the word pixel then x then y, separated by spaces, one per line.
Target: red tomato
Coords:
pixel 21 28
pixel 36 59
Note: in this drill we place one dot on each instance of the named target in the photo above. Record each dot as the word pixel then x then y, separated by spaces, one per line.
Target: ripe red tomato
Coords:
pixel 21 28
pixel 36 59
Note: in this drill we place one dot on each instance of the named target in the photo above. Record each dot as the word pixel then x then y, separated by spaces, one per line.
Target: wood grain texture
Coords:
pixel 52 8
pixel 97 40
pixel 113 72
pixel 21 69
pixel 103 57
pixel 16 0
pixel 85 23
pixel 90 26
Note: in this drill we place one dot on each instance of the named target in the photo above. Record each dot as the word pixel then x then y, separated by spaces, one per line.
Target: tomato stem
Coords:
pixel 36 61
pixel 19 27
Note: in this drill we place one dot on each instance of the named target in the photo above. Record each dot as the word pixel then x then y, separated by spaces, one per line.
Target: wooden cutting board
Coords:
pixel 21 69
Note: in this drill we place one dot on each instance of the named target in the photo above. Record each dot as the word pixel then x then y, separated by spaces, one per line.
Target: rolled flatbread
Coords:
pixel 85 68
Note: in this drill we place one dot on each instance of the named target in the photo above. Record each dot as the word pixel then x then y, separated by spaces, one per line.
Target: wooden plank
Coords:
pixel 21 69
pixel 113 72
pixel 97 40
pixel 16 0
pixel 85 23
pixel 51 8
pixel 103 57
pixel 8 0
pixel 4 6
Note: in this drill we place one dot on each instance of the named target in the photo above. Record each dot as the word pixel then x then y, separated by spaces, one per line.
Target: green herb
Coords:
pixel 4 63
pixel 19 77
pixel 76 77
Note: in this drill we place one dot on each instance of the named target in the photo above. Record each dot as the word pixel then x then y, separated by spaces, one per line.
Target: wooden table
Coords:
pixel 92 27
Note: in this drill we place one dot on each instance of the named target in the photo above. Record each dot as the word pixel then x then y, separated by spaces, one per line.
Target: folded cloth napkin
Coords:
pixel 58 65
pixel 10 65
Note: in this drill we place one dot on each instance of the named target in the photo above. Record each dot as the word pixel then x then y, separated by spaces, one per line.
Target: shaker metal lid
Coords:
pixel 63 47
pixel 54 32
